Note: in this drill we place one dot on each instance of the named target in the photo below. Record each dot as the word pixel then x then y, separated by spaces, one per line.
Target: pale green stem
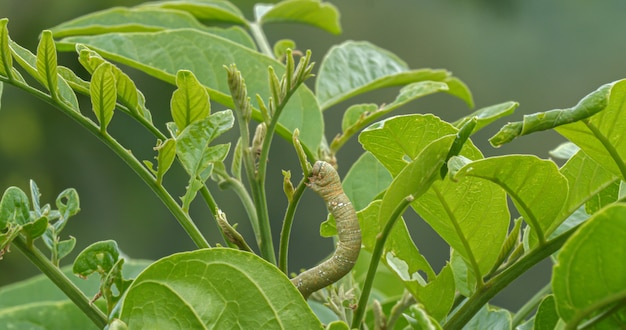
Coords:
pixel 285 233
pixel 376 255
pixel 62 282
pixel 261 39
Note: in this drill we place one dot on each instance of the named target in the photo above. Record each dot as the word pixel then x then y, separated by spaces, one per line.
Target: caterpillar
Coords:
pixel 324 180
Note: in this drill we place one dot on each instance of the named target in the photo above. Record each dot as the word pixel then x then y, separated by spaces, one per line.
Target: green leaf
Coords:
pixel 48 315
pixel 36 228
pixel 366 179
pixel 400 253
pixel 585 178
pixel 313 12
pixel 127 92
pixel 14 208
pixel 166 153
pixel 546 317
pixel 488 115
pixel 608 195
pixel 47 63
pixel 143 19
pixel 68 204
pixel 337 325
pixel 419 319
pixel 589 275
pixel 28 61
pixel 6 61
pixel 210 10
pixel 192 144
pixel 174 291
pixel 99 257
pixel 588 106
pixel 565 150
pixel 190 102
pixel 103 94
pixel 281 46
pixel 490 317
pixel 353 68
pixel 65 247
pixel 603 136
pixel 39 288
pixel 537 188
pixel 205 55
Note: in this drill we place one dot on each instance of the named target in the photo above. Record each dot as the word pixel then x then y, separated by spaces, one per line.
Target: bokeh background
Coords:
pixel 543 54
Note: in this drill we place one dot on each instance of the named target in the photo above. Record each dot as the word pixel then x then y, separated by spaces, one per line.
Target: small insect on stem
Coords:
pixel 325 181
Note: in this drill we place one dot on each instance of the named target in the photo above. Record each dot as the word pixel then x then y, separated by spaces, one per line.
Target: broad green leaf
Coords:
pixel 35 228
pixel 205 55
pixel 47 63
pixel 588 106
pixel 488 115
pixel 585 178
pixel 387 285
pixel 313 12
pixel 589 275
pixel 365 180
pixel 190 102
pixel 438 295
pixel 565 150
pixel 192 144
pixel 143 19
pixel 536 187
pixel 546 317
pixel 489 317
pixel 603 136
pixel 215 288
pixel 74 81
pixel 46 315
pixel 471 215
pixel 608 195
pixel 6 61
pixel 40 286
pixel 127 92
pixel 14 208
pixel 396 141
pixel 210 10
pixel 103 94
pixel 28 61
pixel 65 247
pixel 400 253
pixel 353 68
pixel 99 257
pixel 419 319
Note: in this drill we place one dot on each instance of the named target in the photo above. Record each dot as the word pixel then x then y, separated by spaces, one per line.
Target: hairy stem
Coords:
pixel 62 282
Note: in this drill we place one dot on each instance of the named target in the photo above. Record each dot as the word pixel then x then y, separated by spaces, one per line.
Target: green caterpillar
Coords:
pixel 325 181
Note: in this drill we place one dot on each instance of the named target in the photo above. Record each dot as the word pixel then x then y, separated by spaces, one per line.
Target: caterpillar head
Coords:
pixel 324 179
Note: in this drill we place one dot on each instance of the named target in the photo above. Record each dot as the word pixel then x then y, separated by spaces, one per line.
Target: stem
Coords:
pixel 530 305
pixel 283 248
pixel 182 217
pixel 62 282
pixel 376 255
pixel 261 40
pixel 499 282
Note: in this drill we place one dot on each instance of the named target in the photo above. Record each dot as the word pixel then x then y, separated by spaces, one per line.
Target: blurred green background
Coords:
pixel 543 54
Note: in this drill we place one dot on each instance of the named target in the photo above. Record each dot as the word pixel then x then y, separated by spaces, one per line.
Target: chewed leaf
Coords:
pixel 174 291
pixel 14 208
pixel 322 15
pixel 596 251
pixel 99 257
pixel 587 107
